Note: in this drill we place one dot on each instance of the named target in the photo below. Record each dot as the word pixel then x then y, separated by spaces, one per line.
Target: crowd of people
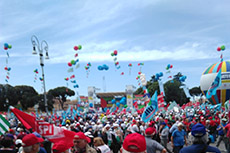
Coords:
pixel 100 133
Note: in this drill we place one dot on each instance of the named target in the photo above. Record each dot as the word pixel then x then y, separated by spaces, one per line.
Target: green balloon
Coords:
pixel 72 62
pixel 125 106
pixel 112 54
pixel 79 47
pixel 9 46
pixel 222 47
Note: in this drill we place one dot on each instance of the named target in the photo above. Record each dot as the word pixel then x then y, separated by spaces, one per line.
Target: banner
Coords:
pixel 216 84
pixel 151 109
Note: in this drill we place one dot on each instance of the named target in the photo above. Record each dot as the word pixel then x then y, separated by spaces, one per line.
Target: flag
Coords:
pixel 151 109
pixel 216 84
pixel 160 99
pixel 49 131
pixel 103 103
pixel 135 104
pixel 4 125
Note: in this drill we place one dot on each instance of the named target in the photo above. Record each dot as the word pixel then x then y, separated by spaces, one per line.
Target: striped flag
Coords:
pixel 4 125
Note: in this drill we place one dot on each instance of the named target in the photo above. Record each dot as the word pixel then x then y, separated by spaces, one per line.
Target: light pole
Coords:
pixel 40 48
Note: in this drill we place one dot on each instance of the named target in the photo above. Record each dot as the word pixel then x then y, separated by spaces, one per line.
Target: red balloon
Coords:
pixel 5 48
pixel 139 64
pixel 139 73
pixel 171 66
pixel 76 54
pixel 75 47
pixel 137 78
pixel 122 73
pixel 218 49
pixel 69 64
pixel 115 52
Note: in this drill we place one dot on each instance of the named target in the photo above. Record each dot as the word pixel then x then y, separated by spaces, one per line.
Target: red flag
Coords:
pixel 49 131
pixel 27 120
pixel 103 103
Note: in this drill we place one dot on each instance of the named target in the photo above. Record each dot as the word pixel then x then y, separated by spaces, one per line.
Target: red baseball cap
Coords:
pixel 81 135
pixel 149 131
pixel 30 139
pixel 134 142
pixel 60 147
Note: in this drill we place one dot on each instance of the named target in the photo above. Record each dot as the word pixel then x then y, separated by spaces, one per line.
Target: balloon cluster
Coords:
pixel 158 76
pixel 103 67
pixel 66 79
pixel 140 64
pixel 130 66
pixel 41 79
pixel 87 67
pixel 114 54
pixel 221 48
pixel 7 46
pixel 7 69
pixel 169 66
pixel 123 101
pixel 182 78
pixel 35 72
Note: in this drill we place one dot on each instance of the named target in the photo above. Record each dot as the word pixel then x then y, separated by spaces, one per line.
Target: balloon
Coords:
pixel 6 45
pixel 122 73
pixel 10 46
pixel 5 48
pixel 160 74
pixel 116 63
pixel 100 68
pixel 105 109
pixel 139 64
pixel 222 47
pixel 76 86
pixel 75 48
pixel 130 65
pixel 6 68
pixel 79 47
pixel 118 104
pixel 76 55
pixel 139 73
pixel 72 62
pixel 113 101
pixel 9 69
pixel 112 54
pixel 171 66
pixel 69 64
pixel 115 52
pixel 91 105
pixel 218 49
pixel 125 106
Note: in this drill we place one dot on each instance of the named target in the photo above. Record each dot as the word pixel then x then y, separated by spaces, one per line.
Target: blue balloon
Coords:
pixel 91 105
pixel 161 74
pixel 118 104
pixel 113 101
pixel 6 45
pixel 106 67
pixel 100 68
pixel 105 109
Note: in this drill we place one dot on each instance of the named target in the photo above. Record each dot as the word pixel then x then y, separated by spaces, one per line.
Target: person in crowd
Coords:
pixel 164 132
pixel 80 142
pixel 152 145
pixel 227 131
pixel 31 143
pixel 134 143
pixel 7 143
pixel 178 138
pixel 200 139
pixel 60 147
pixel 222 134
pixel 100 146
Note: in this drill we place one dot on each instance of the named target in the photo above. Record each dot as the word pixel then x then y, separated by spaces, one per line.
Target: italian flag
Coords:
pixel 4 125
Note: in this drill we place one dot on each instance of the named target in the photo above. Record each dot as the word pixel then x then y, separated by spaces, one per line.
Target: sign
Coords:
pixel 44 128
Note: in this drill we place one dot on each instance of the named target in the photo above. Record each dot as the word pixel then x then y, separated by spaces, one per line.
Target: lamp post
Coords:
pixel 43 46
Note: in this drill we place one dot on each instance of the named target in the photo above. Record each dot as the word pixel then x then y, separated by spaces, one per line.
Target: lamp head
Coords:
pixel 47 56
pixel 34 50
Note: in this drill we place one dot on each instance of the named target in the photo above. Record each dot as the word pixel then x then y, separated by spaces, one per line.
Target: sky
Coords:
pixel 182 33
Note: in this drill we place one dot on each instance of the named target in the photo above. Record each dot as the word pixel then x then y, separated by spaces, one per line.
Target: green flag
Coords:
pixel 4 125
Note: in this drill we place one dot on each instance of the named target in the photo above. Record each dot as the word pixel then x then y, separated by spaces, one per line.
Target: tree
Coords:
pixel 61 94
pixel 195 91
pixel 27 96
pixel 7 96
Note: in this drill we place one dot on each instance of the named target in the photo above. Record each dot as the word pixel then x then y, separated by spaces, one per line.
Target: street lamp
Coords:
pixel 40 48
